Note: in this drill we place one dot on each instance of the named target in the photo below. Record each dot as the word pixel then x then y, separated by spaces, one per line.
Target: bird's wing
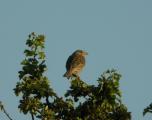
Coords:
pixel 77 60
pixel 68 63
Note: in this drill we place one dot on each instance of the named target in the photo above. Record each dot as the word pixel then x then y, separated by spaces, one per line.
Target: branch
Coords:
pixel 5 112
pixel 32 116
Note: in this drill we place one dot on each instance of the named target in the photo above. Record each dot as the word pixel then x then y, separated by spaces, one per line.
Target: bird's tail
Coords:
pixel 67 74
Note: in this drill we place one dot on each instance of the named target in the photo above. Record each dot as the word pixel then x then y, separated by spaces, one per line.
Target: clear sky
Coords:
pixel 116 34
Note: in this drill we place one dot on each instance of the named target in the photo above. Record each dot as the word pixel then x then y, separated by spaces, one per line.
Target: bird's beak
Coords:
pixel 85 53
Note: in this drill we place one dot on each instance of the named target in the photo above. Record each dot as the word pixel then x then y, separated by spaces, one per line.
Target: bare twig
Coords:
pixel 5 112
pixel 32 116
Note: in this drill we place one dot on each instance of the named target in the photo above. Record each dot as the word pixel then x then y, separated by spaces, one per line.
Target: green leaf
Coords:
pixel 25 62
pixel 29 53
pixel 29 43
pixel 41 55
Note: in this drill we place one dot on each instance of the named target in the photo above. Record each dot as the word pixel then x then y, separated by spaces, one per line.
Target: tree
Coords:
pixel 81 102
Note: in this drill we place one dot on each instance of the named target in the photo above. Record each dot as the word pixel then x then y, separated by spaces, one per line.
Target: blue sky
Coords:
pixel 115 33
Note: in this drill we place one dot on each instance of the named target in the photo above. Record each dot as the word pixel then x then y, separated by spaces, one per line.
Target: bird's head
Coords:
pixel 81 52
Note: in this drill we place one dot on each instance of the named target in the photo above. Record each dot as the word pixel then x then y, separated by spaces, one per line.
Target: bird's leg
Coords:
pixel 76 76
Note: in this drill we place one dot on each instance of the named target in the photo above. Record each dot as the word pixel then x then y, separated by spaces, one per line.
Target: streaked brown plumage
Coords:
pixel 75 63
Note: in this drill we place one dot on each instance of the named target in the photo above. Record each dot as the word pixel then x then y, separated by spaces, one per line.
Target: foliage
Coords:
pixel 81 101
pixel 101 102
pixel 33 85
pixel 148 109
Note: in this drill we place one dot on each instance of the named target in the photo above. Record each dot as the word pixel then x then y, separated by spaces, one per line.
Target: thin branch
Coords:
pixel 32 116
pixel 47 100
pixel 5 112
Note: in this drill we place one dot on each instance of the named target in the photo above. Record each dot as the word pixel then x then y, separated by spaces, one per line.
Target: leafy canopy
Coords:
pixel 81 101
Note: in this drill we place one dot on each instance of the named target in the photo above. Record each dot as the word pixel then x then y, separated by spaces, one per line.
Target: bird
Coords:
pixel 75 63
